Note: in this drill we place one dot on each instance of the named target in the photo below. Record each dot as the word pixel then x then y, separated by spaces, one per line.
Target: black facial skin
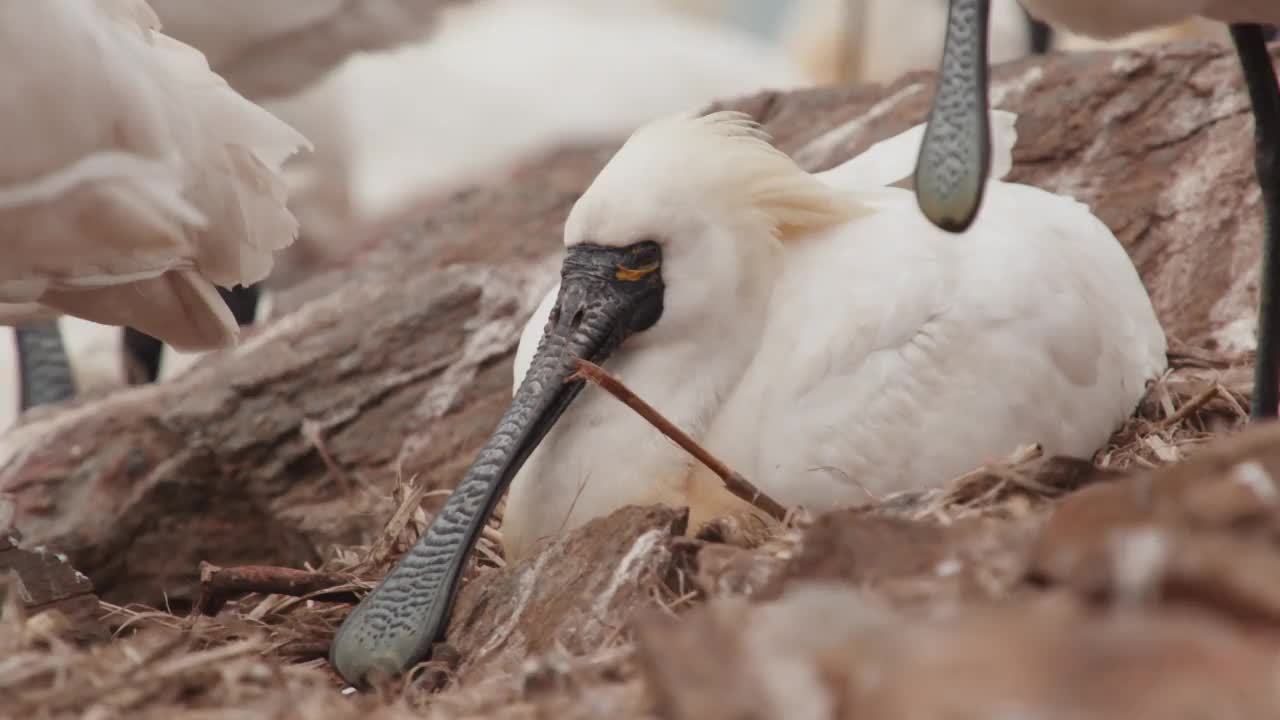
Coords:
pixel 606 295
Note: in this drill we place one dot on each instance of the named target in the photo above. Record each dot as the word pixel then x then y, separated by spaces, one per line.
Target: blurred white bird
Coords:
pixel 261 49
pixel 135 180
pixel 276 50
pixel 497 82
pixel 816 333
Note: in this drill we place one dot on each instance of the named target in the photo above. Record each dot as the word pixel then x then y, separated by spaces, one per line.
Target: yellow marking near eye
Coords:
pixel 633 274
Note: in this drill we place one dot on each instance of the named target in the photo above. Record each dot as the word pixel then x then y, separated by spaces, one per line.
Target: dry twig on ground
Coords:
pixel 218 584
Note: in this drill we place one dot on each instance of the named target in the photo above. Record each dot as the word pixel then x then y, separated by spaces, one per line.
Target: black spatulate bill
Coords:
pixel 606 294
pixel 951 170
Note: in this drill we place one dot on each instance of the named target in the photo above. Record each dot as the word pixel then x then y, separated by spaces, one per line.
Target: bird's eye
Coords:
pixel 642 259
pixel 645 252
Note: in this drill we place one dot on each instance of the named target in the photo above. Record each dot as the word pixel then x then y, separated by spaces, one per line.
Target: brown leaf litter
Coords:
pixel 1033 587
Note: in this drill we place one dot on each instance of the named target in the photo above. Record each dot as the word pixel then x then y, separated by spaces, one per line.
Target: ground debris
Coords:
pixel 53 597
pixel 218 583
pixel 1203 531
pixel 1035 586
pixel 826 650
pixel 1113 574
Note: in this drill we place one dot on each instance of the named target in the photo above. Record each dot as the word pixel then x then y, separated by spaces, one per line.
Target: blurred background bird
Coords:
pixel 135 182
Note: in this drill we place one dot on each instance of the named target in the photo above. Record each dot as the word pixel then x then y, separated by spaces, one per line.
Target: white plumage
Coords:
pixel 824 339
pixel 134 178
pixel 496 83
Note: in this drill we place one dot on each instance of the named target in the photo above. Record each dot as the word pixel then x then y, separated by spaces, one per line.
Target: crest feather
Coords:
pixel 729 154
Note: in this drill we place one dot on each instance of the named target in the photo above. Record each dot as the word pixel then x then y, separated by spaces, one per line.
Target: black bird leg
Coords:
pixel 141 356
pixel 44 370
pixel 1041 34
pixel 142 352
pixel 1264 94
pixel 243 302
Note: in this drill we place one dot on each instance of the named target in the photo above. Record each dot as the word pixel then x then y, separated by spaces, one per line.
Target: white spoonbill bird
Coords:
pixel 134 179
pixel 816 332
pixel 951 169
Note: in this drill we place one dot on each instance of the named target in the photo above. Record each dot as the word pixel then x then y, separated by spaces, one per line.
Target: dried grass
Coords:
pixel 263 656
pixel 1201 395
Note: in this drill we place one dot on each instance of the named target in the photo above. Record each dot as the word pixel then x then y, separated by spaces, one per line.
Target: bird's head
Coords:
pixel 687 218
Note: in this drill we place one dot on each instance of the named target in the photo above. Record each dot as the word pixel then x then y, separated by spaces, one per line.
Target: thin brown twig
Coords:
pixel 1230 397
pixel 1187 408
pixel 313 434
pixel 218 584
pixel 733 482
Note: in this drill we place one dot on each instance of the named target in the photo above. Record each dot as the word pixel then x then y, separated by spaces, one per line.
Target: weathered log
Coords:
pixel 831 651
pixel 574 595
pixel 403 361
